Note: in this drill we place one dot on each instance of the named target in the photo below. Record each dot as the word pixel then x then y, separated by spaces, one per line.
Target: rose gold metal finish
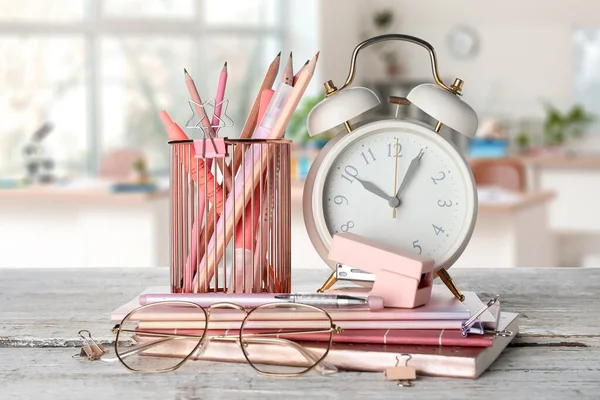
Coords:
pixel 242 338
pixel 270 264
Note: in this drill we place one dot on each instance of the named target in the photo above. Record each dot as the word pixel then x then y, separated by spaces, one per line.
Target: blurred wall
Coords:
pixel 525 54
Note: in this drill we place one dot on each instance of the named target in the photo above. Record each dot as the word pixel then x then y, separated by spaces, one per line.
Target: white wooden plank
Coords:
pixel 520 373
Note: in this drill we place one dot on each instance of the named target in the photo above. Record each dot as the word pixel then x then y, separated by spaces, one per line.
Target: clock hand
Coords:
pixel 412 167
pixel 393 201
pixel 369 186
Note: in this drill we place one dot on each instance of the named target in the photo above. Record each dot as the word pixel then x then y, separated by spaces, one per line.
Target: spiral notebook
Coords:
pixel 448 361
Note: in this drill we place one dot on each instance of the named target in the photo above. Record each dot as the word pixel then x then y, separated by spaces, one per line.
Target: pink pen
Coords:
pixel 258 299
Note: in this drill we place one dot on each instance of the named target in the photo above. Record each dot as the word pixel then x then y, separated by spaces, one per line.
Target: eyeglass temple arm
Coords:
pixel 138 349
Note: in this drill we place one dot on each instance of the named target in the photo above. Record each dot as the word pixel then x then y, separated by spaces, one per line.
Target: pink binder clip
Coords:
pixel 210 148
pixel 402 279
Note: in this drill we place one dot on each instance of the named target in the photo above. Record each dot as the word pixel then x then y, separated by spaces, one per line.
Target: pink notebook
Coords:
pixel 442 307
pixel 450 361
pixel 426 337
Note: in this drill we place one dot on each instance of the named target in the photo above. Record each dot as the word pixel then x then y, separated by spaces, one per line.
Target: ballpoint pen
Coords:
pixel 257 299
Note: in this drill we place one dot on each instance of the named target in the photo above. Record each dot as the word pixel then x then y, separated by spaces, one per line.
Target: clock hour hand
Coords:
pixel 369 186
pixel 412 167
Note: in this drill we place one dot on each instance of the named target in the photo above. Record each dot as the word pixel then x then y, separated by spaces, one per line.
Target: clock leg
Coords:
pixel 328 283
pixel 447 279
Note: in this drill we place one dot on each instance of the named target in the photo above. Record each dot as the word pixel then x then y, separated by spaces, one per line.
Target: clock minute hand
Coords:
pixel 369 186
pixel 412 167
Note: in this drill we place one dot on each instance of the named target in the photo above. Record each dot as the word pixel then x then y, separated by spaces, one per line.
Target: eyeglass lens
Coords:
pixel 270 332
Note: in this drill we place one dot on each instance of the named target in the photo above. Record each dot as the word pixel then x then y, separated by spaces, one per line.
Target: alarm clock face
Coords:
pixel 394 181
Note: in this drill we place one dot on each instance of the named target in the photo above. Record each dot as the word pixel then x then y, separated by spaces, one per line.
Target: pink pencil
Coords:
pixel 192 259
pixel 220 96
pixel 189 82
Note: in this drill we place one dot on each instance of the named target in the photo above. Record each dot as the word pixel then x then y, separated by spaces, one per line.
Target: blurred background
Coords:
pixel 82 82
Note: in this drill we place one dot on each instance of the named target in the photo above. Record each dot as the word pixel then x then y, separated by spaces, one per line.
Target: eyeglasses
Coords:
pixel 161 337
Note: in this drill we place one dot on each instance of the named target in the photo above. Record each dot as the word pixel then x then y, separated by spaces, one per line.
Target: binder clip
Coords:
pixel 210 148
pixel 401 373
pixel 91 350
pixel 473 325
pixel 402 279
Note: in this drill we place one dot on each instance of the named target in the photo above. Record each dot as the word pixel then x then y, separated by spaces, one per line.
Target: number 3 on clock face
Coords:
pixel 360 178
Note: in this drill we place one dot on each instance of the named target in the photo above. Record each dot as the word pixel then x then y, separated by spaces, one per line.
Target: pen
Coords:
pixel 318 299
pixel 288 72
pixel 258 299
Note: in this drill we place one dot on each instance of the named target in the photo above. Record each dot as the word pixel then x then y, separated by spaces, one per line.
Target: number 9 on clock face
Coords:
pixel 394 181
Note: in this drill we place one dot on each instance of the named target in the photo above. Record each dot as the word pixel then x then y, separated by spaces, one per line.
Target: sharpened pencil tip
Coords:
pixel 290 54
pixel 279 55
pixel 185 71
pixel 224 67
pixel 307 61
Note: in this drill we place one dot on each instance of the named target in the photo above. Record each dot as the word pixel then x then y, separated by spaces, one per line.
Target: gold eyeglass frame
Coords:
pixel 241 338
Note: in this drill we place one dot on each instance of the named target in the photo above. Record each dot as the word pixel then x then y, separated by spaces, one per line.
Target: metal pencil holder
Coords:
pixel 234 236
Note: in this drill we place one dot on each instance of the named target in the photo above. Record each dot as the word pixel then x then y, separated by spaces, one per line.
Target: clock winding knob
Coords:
pixel 457 85
pixel 330 88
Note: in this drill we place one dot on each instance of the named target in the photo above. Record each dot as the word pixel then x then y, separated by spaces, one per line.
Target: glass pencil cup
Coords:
pixel 230 216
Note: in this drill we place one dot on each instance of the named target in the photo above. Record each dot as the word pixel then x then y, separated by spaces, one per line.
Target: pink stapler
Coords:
pixel 210 148
pixel 402 279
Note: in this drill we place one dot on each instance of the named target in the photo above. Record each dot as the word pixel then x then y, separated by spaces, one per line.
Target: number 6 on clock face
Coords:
pixel 359 178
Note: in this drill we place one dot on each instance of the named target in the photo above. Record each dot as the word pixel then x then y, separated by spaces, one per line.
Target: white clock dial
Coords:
pixel 435 216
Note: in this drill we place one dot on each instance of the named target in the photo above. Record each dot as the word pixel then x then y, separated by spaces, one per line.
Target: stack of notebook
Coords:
pixel 372 339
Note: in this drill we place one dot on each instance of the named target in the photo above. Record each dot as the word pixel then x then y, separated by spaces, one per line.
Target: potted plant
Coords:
pixel 296 129
pixel 561 127
pixel 140 167
pixel 523 142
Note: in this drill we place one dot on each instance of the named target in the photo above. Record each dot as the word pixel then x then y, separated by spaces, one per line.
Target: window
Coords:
pixel 101 70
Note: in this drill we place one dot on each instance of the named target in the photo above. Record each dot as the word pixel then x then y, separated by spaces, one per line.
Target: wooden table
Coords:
pixel 556 356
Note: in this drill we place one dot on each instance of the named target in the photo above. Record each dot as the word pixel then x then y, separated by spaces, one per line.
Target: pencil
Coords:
pixel 189 82
pixel 298 73
pixel 196 230
pixel 220 96
pixel 248 183
pixel 288 72
pixel 252 119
